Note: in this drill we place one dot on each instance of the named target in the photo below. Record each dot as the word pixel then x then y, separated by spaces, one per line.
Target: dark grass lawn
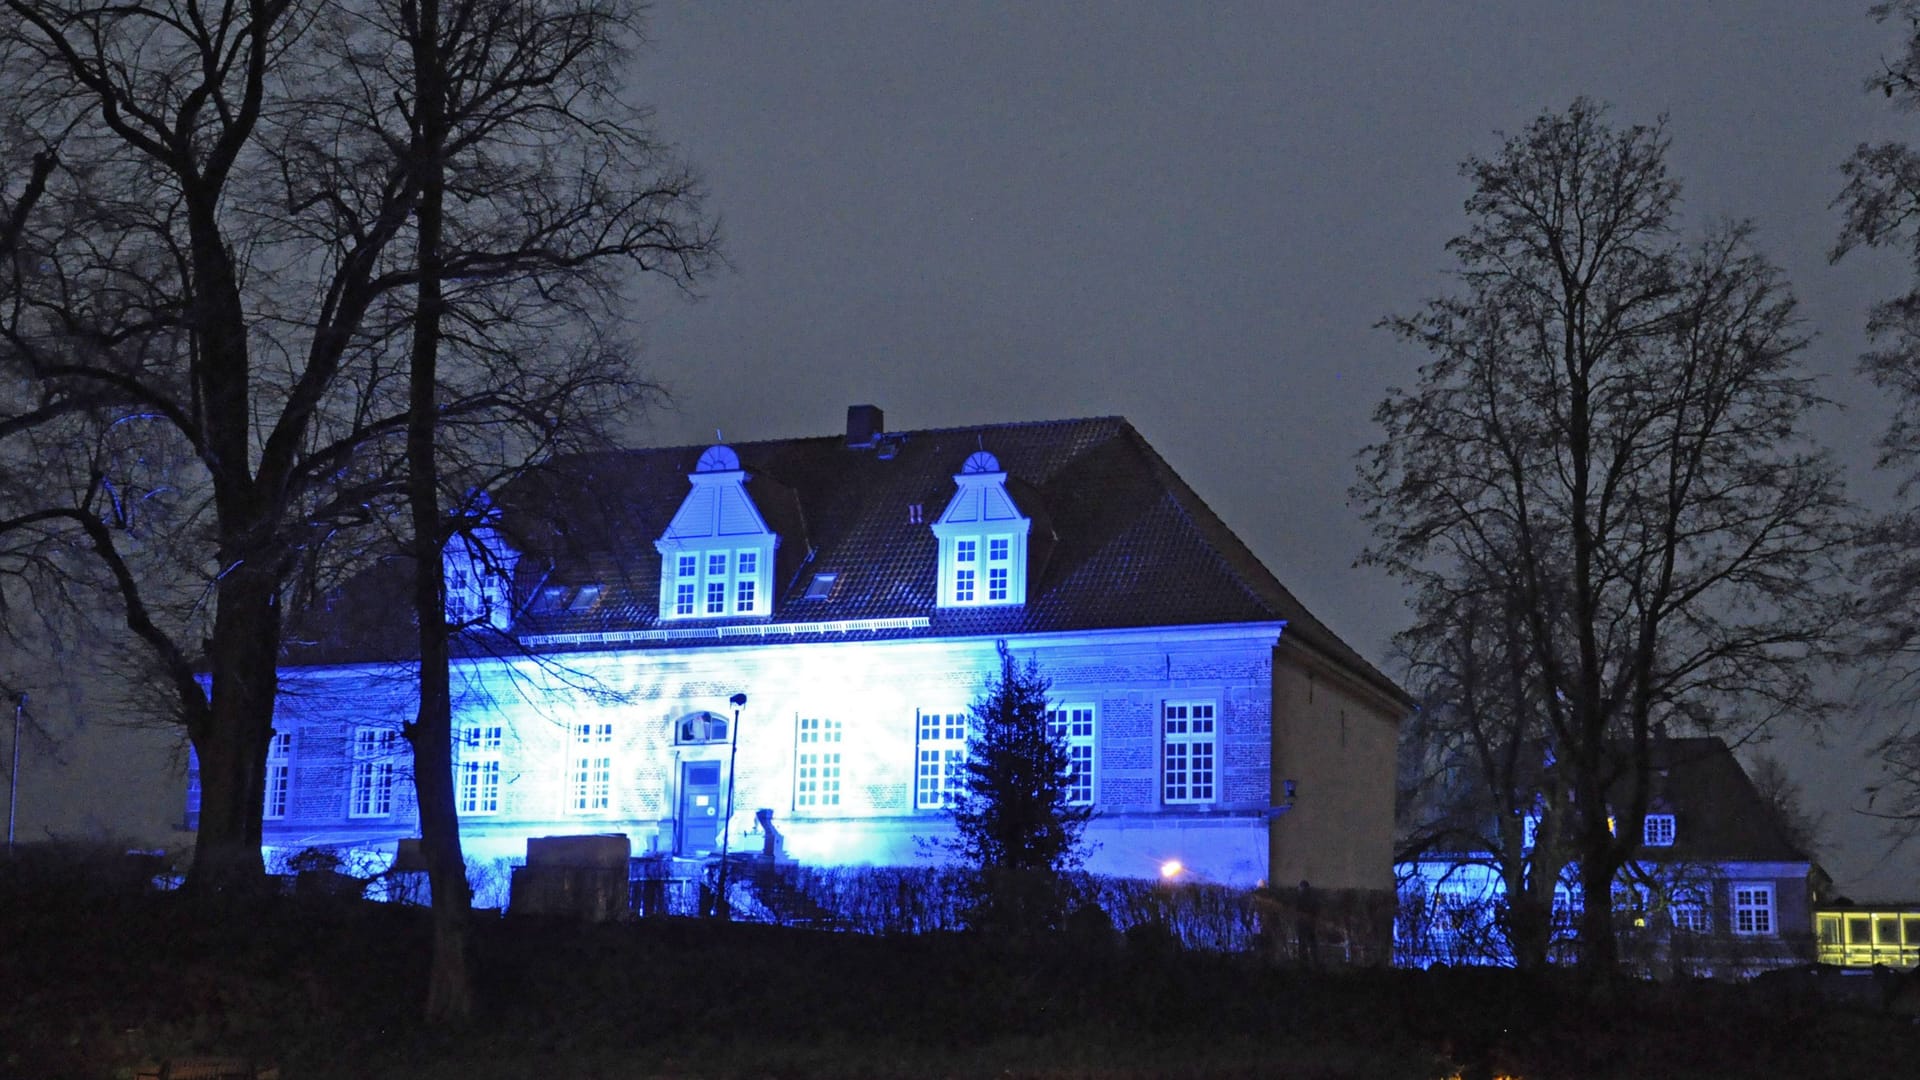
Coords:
pixel 94 982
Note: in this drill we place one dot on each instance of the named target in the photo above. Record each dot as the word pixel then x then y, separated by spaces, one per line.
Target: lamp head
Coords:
pixel 738 701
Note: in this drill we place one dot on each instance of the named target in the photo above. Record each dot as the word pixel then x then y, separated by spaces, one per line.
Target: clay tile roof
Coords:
pixel 1118 540
pixel 1718 813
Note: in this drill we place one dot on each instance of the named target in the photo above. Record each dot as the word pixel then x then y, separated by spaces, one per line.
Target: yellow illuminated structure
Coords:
pixel 1866 936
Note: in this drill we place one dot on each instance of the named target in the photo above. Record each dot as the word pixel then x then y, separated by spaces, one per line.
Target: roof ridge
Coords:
pixel 956 429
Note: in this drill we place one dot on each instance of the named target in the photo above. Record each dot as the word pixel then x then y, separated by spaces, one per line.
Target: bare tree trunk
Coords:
pixel 1529 927
pixel 450 984
pixel 231 736
pixel 1599 948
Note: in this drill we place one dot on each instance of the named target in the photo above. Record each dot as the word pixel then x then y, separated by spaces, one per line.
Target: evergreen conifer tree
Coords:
pixel 1015 820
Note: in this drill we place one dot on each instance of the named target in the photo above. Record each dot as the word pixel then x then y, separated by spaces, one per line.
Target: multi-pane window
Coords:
pixel 476 584
pixel 941 771
pixel 460 599
pixel 1073 724
pixel 686 584
pixel 1689 911
pixel 816 781
pixel 708 583
pixel 1658 830
pixel 746 571
pixel 965 570
pixel 371 794
pixel 193 786
pixel 1752 908
pixel 1188 741
pixel 590 769
pixel 701 727
pixel 717 583
pixel 279 775
pixel 478 769
pixel 982 570
pixel 997 568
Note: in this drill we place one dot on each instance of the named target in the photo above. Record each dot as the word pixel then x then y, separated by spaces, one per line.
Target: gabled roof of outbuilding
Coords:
pixel 1719 815
pixel 1118 541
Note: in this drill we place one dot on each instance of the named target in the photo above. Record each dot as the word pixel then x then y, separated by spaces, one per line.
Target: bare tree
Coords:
pixel 228 248
pixel 1483 782
pixel 1783 796
pixel 1611 421
pixel 1879 203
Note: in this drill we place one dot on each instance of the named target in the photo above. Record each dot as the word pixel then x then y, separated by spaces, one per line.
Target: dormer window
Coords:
pixel 1658 830
pixel 983 539
pixel 479 573
pixel 716 559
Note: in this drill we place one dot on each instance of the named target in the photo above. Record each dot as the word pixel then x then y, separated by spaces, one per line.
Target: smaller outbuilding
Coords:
pixel 1716 888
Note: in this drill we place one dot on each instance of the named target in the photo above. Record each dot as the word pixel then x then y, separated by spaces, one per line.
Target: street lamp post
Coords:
pixel 13 774
pixel 720 906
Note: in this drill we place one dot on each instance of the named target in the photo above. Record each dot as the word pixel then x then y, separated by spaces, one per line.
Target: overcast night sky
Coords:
pixel 1193 216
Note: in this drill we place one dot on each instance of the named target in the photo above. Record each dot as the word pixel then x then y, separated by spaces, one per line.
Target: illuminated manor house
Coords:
pixel 856 589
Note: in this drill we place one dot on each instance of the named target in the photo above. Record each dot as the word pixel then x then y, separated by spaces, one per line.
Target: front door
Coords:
pixel 698 833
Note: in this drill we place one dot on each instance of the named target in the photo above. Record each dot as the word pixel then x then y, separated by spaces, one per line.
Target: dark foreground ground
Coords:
pixel 98 982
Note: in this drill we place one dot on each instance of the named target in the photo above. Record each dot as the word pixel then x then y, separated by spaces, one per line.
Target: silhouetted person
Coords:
pixel 1306 930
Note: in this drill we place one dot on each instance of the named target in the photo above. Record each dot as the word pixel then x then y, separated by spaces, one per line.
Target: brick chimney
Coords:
pixel 864 425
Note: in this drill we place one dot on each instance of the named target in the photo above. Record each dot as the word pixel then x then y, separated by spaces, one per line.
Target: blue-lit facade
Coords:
pixel 858 593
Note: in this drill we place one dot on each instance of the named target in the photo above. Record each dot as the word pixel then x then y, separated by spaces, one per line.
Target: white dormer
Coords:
pixel 983 539
pixel 716 559
pixel 478 565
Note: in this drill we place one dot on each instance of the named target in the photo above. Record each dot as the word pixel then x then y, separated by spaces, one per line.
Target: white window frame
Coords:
pixel 477 575
pixel 816 768
pixel 478 749
pixel 1189 758
pixel 461 601
pixel 1076 722
pixel 1751 903
pixel 717 579
pixel 980 570
pixel 590 767
pixel 966 570
pixel 1690 911
pixel 999 564
pixel 686 585
pixel 716 586
pixel 746 582
pixel 371 793
pixel 1657 830
pixel 940 757
pixel 279 776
